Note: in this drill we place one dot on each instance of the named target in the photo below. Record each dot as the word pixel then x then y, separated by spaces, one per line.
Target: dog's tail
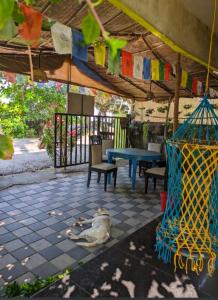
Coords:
pixel 86 244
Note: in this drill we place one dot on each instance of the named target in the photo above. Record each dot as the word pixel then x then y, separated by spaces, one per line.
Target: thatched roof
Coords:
pixel 13 57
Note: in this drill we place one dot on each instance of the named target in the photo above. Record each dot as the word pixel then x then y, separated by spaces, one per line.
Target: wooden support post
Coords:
pixel 176 98
pixel 167 118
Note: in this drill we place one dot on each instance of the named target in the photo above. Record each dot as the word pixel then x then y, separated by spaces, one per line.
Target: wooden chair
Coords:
pixel 106 144
pixel 96 164
pixel 144 165
pixel 159 172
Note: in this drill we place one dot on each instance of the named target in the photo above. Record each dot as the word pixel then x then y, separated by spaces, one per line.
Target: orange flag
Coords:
pixel 30 29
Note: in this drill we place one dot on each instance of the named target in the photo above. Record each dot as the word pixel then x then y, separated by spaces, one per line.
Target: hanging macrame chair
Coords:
pixel 189 229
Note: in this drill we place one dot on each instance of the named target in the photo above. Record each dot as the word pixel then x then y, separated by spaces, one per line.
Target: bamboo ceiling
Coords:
pixel 13 57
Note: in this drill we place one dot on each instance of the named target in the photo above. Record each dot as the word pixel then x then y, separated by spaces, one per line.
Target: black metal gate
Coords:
pixel 72 134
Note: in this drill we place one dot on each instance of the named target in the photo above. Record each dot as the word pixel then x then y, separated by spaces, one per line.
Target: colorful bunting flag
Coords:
pixel 167 70
pixel 184 79
pixel 147 69
pixel 161 70
pixel 194 85
pixel 62 38
pixel 30 29
pixel 10 77
pixel 100 53
pixel 212 93
pixel 155 72
pixel 58 86
pixel 137 66
pixel 127 63
pixel 174 70
pixel 40 85
pixel 82 90
pixel 94 92
pixel 114 63
pixel 189 82
pixel 199 88
pixel 74 89
pixel 80 49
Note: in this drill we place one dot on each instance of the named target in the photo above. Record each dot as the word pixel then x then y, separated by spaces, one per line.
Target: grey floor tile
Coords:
pixel 14 212
pixel 7 259
pixel 26 278
pixel 10 275
pixel 46 270
pixel 133 222
pixel 28 221
pixel 7 237
pixel 129 213
pixel 9 220
pixel 55 238
pixel 66 245
pixel 51 252
pixel 59 226
pixel 78 253
pixel 14 245
pixel 22 231
pixel 34 261
pixel 31 238
pixel 3 230
pixel 37 226
pixel 63 261
pixel 45 231
pixel 40 245
pixel 23 253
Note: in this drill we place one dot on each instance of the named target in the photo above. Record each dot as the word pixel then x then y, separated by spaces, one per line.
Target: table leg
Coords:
pixel 134 168
pixel 130 168
pixel 110 162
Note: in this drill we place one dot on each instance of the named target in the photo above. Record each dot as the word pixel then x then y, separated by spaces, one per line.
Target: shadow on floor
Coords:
pixel 131 269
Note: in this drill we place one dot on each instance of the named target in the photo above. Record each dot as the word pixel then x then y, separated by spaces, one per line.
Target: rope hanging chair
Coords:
pixel 190 223
pixel 189 229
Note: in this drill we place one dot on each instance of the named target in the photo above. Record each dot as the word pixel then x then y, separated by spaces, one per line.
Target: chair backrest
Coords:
pixel 95 140
pixel 154 147
pixel 107 144
pixel 95 154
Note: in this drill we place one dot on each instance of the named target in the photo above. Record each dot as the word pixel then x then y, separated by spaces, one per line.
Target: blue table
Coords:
pixel 134 155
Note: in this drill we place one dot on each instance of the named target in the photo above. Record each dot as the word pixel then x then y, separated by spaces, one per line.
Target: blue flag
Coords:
pixel 80 49
pixel 147 69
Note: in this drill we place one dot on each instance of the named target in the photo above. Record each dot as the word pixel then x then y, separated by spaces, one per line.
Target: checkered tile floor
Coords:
pixel 33 243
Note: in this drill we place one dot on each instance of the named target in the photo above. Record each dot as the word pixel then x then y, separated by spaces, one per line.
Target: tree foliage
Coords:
pixel 28 108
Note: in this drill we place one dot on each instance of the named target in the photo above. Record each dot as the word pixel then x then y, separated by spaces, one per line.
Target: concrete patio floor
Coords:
pixel 33 243
pixel 131 268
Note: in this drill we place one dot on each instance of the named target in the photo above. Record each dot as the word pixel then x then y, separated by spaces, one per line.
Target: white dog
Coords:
pixel 98 234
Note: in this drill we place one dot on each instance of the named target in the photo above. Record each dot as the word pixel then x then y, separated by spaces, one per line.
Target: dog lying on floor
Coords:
pixel 98 234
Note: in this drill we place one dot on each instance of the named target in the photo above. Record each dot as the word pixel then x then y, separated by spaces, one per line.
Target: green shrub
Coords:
pixel 28 289
pixel 28 108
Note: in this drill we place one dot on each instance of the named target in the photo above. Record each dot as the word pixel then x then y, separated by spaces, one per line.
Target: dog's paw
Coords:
pixel 78 223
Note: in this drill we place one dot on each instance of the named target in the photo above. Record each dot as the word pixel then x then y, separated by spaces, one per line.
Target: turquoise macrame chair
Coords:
pixel 188 232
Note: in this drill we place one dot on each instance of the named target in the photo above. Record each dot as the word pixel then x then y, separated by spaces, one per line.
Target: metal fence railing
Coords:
pixel 72 134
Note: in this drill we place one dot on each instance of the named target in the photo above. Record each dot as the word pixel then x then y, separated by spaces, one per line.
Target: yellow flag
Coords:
pixel 184 79
pixel 155 74
pixel 100 54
